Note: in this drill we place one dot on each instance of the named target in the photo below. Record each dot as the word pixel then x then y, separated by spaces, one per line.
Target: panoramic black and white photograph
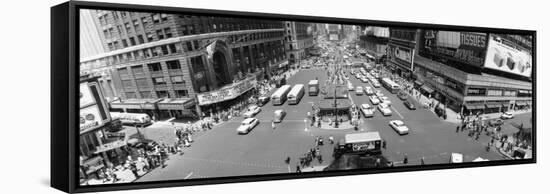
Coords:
pixel 167 96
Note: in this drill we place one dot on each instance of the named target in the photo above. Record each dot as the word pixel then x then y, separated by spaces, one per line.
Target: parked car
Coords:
pixel 507 115
pixel 263 100
pixel 279 115
pixel 384 109
pixel 359 90
pixel 409 104
pixel 252 111
pixel 399 127
pixel 367 110
pixel 374 100
pixel 247 125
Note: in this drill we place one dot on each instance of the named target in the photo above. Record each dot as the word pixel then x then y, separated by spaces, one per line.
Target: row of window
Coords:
pixel 160 94
pixel 138 70
pixel 203 24
pixel 408 35
pixel 473 91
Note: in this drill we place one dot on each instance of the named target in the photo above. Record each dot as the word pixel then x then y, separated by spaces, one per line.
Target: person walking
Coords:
pixel 273 125
pixel 422 160
pixel 405 159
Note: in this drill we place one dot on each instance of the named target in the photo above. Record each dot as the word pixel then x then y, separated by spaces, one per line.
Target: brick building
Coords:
pixel 157 63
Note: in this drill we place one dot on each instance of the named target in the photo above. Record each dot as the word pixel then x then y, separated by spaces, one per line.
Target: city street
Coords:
pixel 222 152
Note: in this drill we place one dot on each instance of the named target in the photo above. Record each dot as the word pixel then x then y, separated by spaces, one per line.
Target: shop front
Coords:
pixel 473 108
pixel 427 90
pixel 522 104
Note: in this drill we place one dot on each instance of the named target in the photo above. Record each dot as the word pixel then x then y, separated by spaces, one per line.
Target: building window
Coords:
pixel 173 64
pixel 131 95
pixel 184 30
pixel 164 49
pixel 163 94
pixel 476 91
pixel 119 28
pixel 146 94
pixel 524 93
pixel 160 35
pixel 127 25
pixel 110 45
pixel 142 83
pixel 156 18
pixel 163 16
pixel 124 43
pixel 154 67
pixel 123 14
pixel 188 46
pixel 172 48
pixel 159 81
pixel 168 32
pixel 140 39
pixel 182 93
pixel 132 41
pixel 136 24
pixel 127 83
pixel 510 93
pixel 195 44
pixel 138 70
pixel 191 29
pixel 149 37
pixel 115 16
pixel 494 92
pixel 122 72
pixel 144 21
pixel 177 80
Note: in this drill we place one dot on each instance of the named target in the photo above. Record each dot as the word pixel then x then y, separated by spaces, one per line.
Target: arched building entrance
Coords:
pixel 220 69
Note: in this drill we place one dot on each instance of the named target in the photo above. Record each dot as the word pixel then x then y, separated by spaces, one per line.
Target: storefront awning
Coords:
pixel 427 89
pixel 146 103
pixel 474 106
pixel 419 83
pixel 493 105
pixel 176 103
pixel 521 103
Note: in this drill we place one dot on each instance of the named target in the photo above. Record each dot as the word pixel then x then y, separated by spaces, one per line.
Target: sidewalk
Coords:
pixel 452 116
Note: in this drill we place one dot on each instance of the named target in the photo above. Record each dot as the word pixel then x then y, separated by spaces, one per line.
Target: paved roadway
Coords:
pixel 221 152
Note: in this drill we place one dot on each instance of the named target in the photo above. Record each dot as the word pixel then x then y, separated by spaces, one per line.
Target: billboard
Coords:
pixel 90 118
pixel 85 95
pixel 508 59
pixel 401 55
pixel 464 47
pixel 333 37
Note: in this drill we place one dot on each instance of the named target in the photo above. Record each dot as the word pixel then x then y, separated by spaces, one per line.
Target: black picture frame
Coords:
pixel 64 98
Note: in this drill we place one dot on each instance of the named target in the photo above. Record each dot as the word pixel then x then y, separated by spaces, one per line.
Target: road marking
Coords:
pixel 189 175
pixel 397 112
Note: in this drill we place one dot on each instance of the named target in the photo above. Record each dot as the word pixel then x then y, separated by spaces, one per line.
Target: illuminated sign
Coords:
pixel 333 37
pixel 402 56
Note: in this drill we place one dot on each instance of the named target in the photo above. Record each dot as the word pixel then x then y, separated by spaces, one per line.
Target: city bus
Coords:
pixel 313 87
pixel 131 118
pixel 279 97
pixel 390 85
pixel 360 143
pixel 296 94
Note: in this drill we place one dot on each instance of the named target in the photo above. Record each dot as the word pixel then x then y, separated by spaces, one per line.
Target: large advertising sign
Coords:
pixel 333 37
pixel 402 56
pixel 226 93
pixel 508 59
pixel 465 47
pixel 90 118
pixel 86 97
